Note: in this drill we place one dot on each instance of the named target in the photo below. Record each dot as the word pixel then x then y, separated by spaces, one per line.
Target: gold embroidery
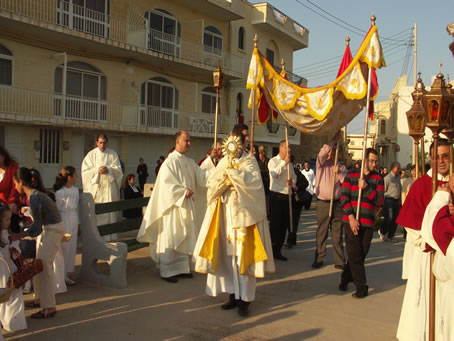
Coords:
pixel 355 83
pixel 319 103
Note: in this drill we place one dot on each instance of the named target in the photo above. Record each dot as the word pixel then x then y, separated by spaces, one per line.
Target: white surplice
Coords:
pixel 103 187
pixel 12 314
pixel 67 200
pixel 437 214
pixel 170 220
pixel 242 207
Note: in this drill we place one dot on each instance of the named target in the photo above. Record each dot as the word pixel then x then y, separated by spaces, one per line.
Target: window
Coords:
pixel 270 56
pixel 209 100
pixel 212 40
pixel 159 103
pixel 6 66
pixel 86 93
pixel 239 104
pixel 163 32
pixel 241 38
pixel 90 16
pixel 383 127
pixel 49 145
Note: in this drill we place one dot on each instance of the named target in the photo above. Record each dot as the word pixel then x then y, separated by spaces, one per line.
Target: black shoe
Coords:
pixel 361 293
pixel 280 257
pixel 340 267
pixel 172 279
pixel 189 275
pixel 317 265
pixel 243 308
pixel 231 303
pixel 343 286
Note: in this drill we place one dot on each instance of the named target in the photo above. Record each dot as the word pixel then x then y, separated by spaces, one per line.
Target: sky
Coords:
pixel 395 20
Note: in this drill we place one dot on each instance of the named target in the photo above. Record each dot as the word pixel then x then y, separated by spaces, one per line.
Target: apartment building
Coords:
pixel 137 70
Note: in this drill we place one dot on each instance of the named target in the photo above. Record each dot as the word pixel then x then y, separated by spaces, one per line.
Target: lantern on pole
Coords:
pixel 417 121
pixel 438 103
pixel 449 132
pixel 218 80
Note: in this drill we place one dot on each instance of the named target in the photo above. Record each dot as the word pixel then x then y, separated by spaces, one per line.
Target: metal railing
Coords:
pixel 81 19
pixel 28 105
pixel 294 78
pixel 79 108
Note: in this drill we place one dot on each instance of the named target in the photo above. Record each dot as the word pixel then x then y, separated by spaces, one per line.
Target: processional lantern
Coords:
pixel 218 80
pixel 449 132
pixel 417 121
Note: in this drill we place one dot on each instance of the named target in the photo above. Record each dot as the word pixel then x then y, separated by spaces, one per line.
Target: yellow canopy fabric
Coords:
pixel 321 110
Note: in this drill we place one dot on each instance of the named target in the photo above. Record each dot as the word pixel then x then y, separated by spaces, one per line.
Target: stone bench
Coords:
pixel 94 248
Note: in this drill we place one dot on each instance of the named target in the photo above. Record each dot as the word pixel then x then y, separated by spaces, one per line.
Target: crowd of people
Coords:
pixel 229 216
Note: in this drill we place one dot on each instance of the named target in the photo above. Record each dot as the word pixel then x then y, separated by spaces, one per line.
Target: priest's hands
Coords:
pixel 103 170
pixel 354 224
pixel 189 193
pixel 451 209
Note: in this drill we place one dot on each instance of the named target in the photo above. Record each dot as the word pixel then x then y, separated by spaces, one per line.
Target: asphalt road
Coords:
pixel 295 303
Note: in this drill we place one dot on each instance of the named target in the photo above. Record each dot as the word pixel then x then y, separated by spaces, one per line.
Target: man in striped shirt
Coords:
pixel 358 234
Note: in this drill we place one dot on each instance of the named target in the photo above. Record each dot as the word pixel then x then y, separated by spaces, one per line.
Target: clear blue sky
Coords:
pixel 395 18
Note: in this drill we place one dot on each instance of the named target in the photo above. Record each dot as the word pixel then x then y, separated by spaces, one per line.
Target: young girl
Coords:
pixel 47 219
pixel 67 197
pixel 12 314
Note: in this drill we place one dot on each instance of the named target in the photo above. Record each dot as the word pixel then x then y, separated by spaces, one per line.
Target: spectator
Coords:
pixel 47 222
pixel 298 201
pixel 142 172
pixel 12 316
pixel 403 176
pixel 67 200
pixel 8 193
pixel 101 177
pixel 131 191
pixel 159 163
pixel 391 205
pixel 310 176
pixel 263 165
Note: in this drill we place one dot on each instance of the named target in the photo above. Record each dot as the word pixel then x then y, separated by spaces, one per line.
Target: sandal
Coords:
pixel 43 314
pixel 32 304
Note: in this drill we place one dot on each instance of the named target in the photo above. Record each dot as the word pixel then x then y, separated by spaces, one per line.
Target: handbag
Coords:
pixel 26 270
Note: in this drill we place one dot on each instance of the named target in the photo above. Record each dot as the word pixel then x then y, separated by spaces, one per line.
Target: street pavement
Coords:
pixel 295 303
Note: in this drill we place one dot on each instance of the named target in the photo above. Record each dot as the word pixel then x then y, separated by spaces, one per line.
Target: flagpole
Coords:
pixel 251 140
pixel 366 125
pixel 288 165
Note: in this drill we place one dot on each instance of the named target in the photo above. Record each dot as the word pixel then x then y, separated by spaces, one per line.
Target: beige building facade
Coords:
pixel 135 70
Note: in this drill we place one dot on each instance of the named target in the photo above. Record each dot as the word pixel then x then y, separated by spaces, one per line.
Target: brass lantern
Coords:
pixel 416 115
pixel 218 78
pixel 417 122
pixel 438 102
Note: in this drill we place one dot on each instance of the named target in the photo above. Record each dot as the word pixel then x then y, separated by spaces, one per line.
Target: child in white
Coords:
pixel 67 197
pixel 12 314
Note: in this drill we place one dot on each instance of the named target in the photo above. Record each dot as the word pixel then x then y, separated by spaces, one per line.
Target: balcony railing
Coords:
pixel 294 78
pixel 26 105
pixel 81 19
pixel 79 108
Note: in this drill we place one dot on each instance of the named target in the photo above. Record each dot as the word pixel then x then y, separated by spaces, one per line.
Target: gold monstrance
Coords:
pixel 232 148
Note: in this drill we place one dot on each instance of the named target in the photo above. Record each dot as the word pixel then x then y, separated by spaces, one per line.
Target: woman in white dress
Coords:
pixel 12 314
pixel 67 197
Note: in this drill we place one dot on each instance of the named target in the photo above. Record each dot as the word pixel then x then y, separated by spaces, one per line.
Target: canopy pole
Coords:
pixel 366 125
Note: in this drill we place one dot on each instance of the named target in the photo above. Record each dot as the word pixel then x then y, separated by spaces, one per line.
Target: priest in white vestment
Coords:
pixel 102 177
pixel 170 220
pixel 234 244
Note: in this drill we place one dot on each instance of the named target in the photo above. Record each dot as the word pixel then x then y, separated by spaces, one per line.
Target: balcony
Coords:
pixel 274 21
pixel 76 29
pixel 45 108
pixel 292 77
